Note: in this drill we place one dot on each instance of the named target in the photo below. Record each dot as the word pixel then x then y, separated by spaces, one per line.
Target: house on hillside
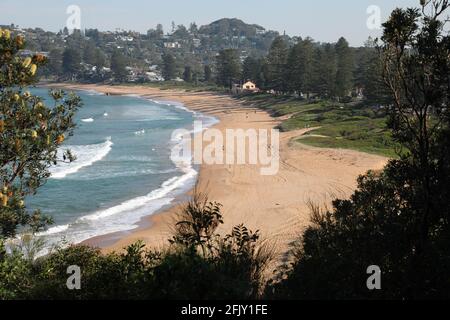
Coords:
pixel 247 87
pixel 172 45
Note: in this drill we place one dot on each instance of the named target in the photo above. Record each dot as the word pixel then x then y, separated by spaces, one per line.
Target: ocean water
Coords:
pixel 123 169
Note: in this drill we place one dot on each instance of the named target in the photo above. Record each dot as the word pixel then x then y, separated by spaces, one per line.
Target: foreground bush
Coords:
pixel 197 265
pixel 378 226
pixel 399 219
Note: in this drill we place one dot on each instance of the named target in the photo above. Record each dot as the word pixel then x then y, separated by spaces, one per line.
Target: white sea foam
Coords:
pixel 55 230
pixel 156 119
pixel 93 93
pixel 118 173
pixel 85 156
pixel 140 132
pixel 124 216
pixel 164 190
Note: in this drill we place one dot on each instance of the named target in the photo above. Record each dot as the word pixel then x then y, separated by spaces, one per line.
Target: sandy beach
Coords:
pixel 276 205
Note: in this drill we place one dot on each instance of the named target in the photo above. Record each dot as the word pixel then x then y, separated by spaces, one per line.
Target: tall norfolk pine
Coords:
pixel 344 73
pixel 277 65
pixel 228 67
pixel 118 66
pixel 169 68
pixel 300 67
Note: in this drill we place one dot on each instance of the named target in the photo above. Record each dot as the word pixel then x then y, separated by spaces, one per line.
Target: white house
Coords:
pixel 172 45
pixel 249 86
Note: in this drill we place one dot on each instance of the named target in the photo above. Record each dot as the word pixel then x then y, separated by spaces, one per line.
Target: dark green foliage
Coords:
pixel 344 72
pixel 169 68
pixel 15 272
pixel 228 67
pixel 197 223
pixel 181 32
pixel 252 70
pixel 378 226
pixel 300 67
pixel 187 74
pixel 90 53
pixel 416 68
pixel 71 62
pixel 277 65
pixel 54 65
pixel 156 34
pixel 368 74
pixel 398 219
pixel 118 66
pixel 230 27
pixel 199 264
pixel 325 71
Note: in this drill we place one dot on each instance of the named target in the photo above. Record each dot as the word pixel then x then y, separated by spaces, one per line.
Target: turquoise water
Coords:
pixel 123 169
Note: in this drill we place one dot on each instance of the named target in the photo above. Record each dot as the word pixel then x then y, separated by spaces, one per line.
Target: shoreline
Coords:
pixel 276 205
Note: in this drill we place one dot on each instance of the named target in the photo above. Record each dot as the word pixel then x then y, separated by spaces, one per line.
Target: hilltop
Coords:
pixel 232 27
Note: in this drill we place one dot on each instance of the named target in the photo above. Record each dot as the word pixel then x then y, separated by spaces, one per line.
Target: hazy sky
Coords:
pixel 324 20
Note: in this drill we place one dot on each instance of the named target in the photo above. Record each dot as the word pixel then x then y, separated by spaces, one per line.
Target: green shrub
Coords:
pixel 198 264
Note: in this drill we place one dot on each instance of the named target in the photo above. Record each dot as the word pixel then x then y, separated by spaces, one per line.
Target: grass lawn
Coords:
pixel 348 126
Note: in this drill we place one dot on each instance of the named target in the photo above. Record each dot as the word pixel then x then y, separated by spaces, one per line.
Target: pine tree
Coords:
pixel 277 65
pixel 187 74
pixel 71 62
pixel 369 74
pixel 251 70
pixel 325 71
pixel 300 67
pixel 345 65
pixel 54 64
pixel 228 67
pixel 118 66
pixel 169 67
pixel 193 29
pixel 89 53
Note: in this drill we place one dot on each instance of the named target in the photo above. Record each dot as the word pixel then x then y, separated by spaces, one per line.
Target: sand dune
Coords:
pixel 276 205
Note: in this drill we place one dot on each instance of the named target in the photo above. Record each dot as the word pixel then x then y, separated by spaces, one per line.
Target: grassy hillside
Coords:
pixel 349 126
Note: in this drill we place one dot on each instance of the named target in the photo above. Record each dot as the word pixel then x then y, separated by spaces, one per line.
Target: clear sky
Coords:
pixel 323 20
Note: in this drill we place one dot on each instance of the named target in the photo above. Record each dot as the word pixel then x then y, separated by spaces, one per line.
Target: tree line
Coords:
pixel 291 66
pixel 305 68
